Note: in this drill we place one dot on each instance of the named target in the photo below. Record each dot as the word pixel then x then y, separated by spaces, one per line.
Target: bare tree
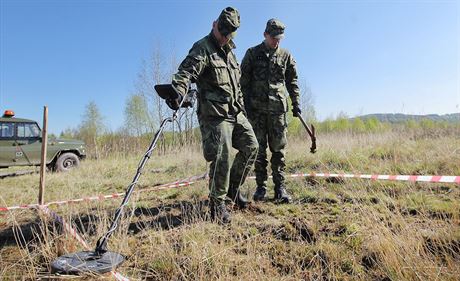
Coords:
pixel 307 102
pixel 158 69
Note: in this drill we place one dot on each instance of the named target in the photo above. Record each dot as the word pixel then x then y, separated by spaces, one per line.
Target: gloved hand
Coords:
pixel 187 103
pixel 296 110
pixel 174 103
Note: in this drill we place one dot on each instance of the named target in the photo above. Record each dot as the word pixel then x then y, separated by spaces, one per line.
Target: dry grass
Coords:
pixel 334 230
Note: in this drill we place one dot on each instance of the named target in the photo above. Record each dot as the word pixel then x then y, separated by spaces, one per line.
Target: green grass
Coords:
pixel 340 230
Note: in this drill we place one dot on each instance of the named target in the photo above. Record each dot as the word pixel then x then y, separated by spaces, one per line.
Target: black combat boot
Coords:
pixel 282 195
pixel 260 193
pixel 235 195
pixel 219 212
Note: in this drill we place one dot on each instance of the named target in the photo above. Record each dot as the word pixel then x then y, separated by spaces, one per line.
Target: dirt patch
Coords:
pixel 335 180
pixel 255 208
pixel 374 200
pixel 443 248
pixel 443 215
pixel 330 200
pixel 308 199
pixel 369 260
pixel 22 234
pixel 295 230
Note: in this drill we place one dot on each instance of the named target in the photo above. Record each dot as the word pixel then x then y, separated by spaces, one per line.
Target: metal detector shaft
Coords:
pixel 311 133
pixel 101 245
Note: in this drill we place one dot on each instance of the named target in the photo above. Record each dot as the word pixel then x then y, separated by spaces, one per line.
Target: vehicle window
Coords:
pixel 28 130
pixel 6 130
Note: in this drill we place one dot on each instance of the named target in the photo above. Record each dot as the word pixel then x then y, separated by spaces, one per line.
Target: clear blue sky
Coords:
pixel 358 57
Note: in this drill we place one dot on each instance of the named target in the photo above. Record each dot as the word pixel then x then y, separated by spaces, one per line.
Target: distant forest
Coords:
pixel 400 118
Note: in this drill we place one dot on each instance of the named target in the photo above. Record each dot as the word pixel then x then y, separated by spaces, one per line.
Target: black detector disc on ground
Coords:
pixel 87 262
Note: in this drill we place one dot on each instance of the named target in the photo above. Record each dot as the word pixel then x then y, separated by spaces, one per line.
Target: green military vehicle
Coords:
pixel 21 142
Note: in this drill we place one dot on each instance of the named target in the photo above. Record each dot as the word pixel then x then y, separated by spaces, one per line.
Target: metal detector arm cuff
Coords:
pixel 167 91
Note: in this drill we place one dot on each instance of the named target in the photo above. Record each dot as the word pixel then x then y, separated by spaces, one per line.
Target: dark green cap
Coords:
pixel 275 28
pixel 228 21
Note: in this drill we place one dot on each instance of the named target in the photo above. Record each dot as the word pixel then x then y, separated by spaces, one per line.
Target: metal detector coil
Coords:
pixel 101 260
pixel 87 262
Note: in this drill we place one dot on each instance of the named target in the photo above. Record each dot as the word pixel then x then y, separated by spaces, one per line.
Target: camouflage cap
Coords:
pixel 275 28
pixel 228 22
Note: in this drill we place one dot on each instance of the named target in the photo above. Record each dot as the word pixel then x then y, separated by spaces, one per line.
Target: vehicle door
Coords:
pixel 8 150
pixel 29 141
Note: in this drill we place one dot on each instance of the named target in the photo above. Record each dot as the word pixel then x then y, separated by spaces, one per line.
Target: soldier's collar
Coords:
pixel 268 50
pixel 231 44
pixel 214 39
pixel 228 47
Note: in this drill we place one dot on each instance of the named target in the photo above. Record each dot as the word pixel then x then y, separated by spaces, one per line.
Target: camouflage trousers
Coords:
pixel 270 128
pixel 218 138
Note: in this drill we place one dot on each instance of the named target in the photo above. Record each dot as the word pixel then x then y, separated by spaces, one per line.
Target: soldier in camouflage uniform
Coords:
pixel 212 65
pixel 266 71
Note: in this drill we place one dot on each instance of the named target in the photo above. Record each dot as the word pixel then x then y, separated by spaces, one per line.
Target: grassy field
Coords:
pixel 334 230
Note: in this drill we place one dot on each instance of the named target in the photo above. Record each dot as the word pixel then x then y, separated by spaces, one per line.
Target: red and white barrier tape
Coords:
pixel 193 179
pixel 176 184
pixel 75 235
pixel 67 227
pixel 411 178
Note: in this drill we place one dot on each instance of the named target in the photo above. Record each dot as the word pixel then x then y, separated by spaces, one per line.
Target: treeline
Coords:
pixel 138 130
pixel 343 124
pixel 134 136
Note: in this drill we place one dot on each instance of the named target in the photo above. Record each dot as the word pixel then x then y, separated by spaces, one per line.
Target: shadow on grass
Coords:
pixel 20 235
pixel 169 216
pixel 164 216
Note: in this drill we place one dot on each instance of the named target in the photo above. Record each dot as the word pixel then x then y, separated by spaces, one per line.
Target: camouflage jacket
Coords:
pixel 216 73
pixel 264 77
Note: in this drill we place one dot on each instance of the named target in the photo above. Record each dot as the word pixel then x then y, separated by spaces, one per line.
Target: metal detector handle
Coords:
pixel 311 133
pixel 188 97
pixel 101 245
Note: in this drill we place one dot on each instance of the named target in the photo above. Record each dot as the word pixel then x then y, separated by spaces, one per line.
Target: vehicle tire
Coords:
pixel 66 161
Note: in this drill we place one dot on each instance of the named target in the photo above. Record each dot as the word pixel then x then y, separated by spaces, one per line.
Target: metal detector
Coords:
pixel 101 260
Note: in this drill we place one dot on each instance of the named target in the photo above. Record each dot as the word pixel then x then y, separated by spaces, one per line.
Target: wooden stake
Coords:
pixel 43 155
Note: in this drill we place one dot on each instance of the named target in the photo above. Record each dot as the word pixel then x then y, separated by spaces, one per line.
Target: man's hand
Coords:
pixel 188 102
pixel 174 103
pixel 296 110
